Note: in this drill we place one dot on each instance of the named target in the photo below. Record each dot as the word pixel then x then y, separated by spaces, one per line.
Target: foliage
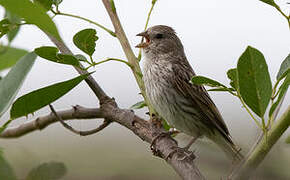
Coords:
pixel 251 80
pixel 11 83
pixel 37 99
pixel 9 56
pixel 51 54
pixel 44 171
pixel 47 171
pixel 32 13
pixel 6 171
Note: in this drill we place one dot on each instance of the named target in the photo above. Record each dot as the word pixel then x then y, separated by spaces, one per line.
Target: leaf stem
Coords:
pixel 249 111
pixel 85 19
pixel 5 125
pixel 112 59
pixel 283 14
pixel 91 59
pixel 146 25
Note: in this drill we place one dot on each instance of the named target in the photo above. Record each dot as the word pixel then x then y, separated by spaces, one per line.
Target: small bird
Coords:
pixel 184 106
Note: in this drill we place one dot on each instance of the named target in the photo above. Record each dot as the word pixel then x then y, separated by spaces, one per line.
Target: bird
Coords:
pixel 185 106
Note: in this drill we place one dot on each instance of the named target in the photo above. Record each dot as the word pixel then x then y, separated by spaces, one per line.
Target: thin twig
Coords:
pixel 85 19
pixel 82 133
pixel 284 15
pixel 127 50
pixel 146 25
pixel 113 59
pixel 77 112
pixel 98 129
pixel 249 111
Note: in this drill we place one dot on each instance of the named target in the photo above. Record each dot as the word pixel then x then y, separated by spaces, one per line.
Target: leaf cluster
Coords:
pixel 250 82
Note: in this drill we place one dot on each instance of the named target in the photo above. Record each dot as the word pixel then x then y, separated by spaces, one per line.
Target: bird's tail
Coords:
pixel 226 144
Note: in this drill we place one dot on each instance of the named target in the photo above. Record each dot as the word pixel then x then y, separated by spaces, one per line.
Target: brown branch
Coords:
pixel 81 133
pixel 77 112
pixel 105 124
pixel 186 167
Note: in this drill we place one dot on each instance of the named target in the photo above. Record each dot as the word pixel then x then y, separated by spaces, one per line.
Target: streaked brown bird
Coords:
pixel 185 106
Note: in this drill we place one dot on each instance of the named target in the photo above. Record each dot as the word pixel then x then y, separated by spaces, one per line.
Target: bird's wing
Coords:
pixel 198 96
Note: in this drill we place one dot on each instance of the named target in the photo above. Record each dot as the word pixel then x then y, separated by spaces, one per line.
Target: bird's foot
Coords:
pixel 163 134
pixel 156 121
pixel 182 154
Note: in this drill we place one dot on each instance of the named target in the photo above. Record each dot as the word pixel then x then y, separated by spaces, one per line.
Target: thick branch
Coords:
pixel 77 112
pixel 186 167
pixel 263 148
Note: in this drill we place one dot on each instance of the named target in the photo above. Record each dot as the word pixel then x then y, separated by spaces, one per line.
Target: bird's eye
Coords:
pixel 159 36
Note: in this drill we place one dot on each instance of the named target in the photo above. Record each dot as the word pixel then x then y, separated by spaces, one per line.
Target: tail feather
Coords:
pixel 232 151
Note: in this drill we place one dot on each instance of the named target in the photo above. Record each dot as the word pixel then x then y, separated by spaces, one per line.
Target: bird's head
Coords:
pixel 160 39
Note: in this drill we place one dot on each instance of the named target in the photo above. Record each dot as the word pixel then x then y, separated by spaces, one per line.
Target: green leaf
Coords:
pixel 14 19
pixel 282 91
pixel 80 57
pixel 56 2
pixel 46 4
pixel 51 54
pixel 221 89
pixel 233 76
pixel 12 82
pixel 47 52
pixel 201 80
pixel 9 56
pixel 12 33
pixel 138 105
pixel 254 80
pixel 270 2
pixel 37 99
pixel 284 68
pixel 85 40
pixel 4 27
pixel 165 125
pixel 47 171
pixel 288 140
pixel 6 171
pixel 32 13
pixel 68 59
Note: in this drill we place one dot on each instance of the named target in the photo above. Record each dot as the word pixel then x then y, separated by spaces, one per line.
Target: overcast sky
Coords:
pixel 214 34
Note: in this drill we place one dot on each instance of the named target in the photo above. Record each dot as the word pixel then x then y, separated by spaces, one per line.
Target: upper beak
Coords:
pixel 147 41
pixel 143 34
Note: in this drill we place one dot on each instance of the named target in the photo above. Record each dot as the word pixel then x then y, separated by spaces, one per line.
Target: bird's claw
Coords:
pixel 163 134
pixel 182 154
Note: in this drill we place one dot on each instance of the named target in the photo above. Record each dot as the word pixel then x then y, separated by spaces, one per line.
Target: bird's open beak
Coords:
pixel 147 40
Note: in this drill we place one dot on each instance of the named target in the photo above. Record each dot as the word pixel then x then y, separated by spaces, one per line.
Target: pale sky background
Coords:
pixel 214 34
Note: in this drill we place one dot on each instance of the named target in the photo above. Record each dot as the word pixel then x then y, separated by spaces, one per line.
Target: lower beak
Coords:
pixel 143 44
